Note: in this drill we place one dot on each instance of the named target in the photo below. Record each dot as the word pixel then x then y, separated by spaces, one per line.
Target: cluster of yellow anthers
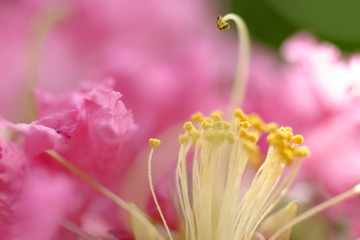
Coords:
pixel 215 201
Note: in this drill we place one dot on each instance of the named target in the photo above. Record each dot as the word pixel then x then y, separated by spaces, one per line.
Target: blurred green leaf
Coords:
pixel 263 22
pixel 271 21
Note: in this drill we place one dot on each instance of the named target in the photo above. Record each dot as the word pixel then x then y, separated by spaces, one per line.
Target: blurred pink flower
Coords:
pixel 37 194
pixel 314 89
pixel 166 56
pixel 310 83
pixel 169 48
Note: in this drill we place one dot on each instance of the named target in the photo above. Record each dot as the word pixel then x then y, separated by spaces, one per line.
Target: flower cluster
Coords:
pixel 73 153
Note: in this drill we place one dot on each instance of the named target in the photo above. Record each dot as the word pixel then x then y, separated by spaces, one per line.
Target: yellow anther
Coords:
pixel 297 139
pixel 289 129
pixel 221 24
pixel 195 134
pixel 288 155
pixel 230 137
pixel 244 124
pixel 188 126
pixel 216 116
pixel 272 127
pixel 239 114
pixel 154 142
pixel 207 119
pixel 184 139
pixel 219 125
pixel 285 133
pixel 214 136
pixel 227 125
pixel 206 125
pixel 197 117
pixel 256 122
pixel 242 133
pixel 252 137
pixel 273 138
pixel 301 152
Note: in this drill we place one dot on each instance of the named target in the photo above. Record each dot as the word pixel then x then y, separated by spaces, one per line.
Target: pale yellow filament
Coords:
pixel 75 229
pixel 243 65
pixel 107 193
pixel 153 191
pixel 315 210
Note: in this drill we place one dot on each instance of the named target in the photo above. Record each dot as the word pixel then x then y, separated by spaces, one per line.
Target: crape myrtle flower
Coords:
pixel 215 199
pixel 36 196
pixel 55 44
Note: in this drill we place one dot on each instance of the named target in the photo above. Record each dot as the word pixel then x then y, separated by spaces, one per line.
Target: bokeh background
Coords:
pixel 272 21
pixel 168 60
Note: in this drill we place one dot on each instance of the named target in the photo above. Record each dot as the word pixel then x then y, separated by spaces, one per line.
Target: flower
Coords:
pixel 209 199
pixel 222 158
pixel 37 196
pixel 172 42
pixel 316 93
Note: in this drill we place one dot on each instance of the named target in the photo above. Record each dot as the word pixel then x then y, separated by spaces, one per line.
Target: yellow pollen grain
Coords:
pixel 244 124
pixel 242 133
pixel 256 122
pixel 221 24
pixel 206 125
pixel 239 114
pixel 216 116
pixel 154 143
pixel 252 137
pixel 188 126
pixel 272 127
pixel 214 136
pixel 288 155
pixel 301 152
pixel 227 125
pixel 197 117
pixel 297 139
pixel 219 125
pixel 194 134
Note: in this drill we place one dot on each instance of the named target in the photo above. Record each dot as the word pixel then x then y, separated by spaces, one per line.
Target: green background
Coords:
pixel 272 21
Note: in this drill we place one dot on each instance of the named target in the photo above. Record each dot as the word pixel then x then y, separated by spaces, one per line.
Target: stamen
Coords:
pixel 317 209
pixel 209 198
pixel 154 143
pixel 133 211
pixel 75 229
pixel 242 71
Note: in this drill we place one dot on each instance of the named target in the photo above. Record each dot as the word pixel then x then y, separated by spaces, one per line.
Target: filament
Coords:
pixel 75 229
pixel 107 193
pixel 311 212
pixel 154 195
pixel 243 64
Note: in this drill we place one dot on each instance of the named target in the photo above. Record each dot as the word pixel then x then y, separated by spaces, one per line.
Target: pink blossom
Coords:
pixel 88 127
pixel 174 43
pixel 316 92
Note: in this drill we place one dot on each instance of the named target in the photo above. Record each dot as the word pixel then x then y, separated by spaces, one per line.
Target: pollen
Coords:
pixel 154 143
pixel 221 24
